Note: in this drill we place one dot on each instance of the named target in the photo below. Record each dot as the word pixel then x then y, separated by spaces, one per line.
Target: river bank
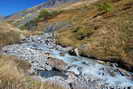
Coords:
pixel 52 62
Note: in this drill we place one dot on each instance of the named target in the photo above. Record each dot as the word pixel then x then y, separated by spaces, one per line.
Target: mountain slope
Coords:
pixel 9 34
pixel 48 4
pixel 21 18
pixel 102 30
pixel 98 28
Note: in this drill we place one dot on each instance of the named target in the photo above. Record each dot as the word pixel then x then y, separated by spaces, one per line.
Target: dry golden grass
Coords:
pixel 12 75
pixel 108 35
pixel 9 34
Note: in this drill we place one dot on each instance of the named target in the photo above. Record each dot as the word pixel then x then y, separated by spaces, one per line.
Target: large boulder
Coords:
pixel 58 64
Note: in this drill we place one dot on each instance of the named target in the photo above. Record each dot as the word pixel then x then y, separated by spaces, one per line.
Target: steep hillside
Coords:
pixel 9 34
pixel 102 30
pixel 99 28
pixel 31 13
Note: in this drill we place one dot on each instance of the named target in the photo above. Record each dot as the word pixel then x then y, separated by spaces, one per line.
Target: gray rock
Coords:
pixel 74 69
pixel 58 64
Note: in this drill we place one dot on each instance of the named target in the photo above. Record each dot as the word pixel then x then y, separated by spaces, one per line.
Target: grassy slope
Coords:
pixel 105 35
pixel 12 75
pixel 9 34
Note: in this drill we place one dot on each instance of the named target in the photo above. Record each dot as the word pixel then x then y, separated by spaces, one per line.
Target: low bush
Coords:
pixel 106 7
pixel 46 14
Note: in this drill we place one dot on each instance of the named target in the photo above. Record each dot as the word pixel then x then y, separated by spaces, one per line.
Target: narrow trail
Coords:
pixel 53 63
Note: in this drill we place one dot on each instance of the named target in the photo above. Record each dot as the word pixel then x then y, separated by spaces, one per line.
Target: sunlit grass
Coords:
pixel 12 75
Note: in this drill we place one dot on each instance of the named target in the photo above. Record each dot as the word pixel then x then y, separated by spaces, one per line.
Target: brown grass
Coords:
pixel 9 34
pixel 105 35
pixel 12 75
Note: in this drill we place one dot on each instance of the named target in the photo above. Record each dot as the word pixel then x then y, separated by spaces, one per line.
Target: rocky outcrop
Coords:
pixel 57 64
pixel 52 3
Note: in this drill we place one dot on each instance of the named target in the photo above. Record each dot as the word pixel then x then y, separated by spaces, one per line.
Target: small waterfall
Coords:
pixel 76 51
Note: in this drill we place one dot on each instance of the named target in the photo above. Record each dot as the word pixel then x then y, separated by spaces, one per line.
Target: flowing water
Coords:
pixel 37 50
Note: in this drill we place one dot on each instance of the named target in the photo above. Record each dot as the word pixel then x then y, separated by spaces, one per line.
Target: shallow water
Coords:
pixel 80 65
pixel 91 68
pixel 52 73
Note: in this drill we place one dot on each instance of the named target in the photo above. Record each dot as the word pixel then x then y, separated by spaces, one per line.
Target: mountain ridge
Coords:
pixel 47 4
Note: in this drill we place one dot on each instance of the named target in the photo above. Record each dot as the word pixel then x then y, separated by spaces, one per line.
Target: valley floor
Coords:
pixel 51 54
pixel 52 63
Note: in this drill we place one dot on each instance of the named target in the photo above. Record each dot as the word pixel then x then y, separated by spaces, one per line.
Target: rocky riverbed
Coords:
pixel 52 63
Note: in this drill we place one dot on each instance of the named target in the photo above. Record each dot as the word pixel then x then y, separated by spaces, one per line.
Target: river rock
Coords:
pixel 62 54
pixel 74 69
pixel 85 82
pixel 58 64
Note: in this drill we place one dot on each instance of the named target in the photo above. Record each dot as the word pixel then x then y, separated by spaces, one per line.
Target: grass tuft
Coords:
pixel 106 7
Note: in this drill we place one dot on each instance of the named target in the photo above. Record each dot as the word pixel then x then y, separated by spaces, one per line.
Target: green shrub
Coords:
pixel 46 14
pixel 29 25
pixel 107 7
